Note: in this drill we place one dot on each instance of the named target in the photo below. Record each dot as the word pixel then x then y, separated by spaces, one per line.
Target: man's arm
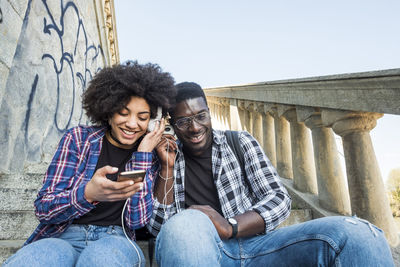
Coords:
pixel 272 201
pixel 249 223
pixel 163 204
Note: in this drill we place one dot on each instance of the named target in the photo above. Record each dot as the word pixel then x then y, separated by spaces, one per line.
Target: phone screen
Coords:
pixel 136 176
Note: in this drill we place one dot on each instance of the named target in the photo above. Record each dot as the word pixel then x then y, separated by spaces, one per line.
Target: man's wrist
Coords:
pixel 234 224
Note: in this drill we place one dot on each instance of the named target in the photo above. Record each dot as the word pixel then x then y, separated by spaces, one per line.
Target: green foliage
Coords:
pixel 393 188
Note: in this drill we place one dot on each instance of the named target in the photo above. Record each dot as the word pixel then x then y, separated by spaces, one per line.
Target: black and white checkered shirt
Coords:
pixel 261 192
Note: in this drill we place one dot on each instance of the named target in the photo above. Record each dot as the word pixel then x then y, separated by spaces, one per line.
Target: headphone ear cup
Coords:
pixel 152 125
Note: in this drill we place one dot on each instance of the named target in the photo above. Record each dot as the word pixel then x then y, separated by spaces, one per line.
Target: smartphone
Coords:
pixel 136 176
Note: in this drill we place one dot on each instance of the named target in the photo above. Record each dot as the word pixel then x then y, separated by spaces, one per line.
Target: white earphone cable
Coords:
pixel 123 228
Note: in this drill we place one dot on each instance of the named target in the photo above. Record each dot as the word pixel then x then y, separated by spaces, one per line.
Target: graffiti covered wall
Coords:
pixel 50 50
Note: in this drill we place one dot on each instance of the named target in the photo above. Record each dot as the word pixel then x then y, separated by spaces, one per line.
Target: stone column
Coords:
pixel 235 122
pixel 268 131
pixel 282 140
pixel 247 116
pixel 333 193
pixel 211 106
pixel 216 123
pixel 226 113
pixel 257 123
pixel 243 115
pixel 367 193
pixel 304 178
pixel 221 114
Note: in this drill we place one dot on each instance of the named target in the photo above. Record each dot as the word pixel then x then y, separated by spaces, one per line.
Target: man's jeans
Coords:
pixel 80 245
pixel 190 239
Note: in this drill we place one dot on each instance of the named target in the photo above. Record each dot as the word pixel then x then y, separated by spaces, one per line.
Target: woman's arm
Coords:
pixel 62 195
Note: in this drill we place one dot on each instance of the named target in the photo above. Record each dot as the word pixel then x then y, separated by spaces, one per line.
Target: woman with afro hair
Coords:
pixel 87 217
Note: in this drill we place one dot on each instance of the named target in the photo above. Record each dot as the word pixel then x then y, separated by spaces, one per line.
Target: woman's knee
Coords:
pixel 45 252
pixel 111 251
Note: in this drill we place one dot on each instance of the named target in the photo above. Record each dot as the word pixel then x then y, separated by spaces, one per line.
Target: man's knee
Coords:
pixel 188 224
pixel 188 231
pixel 347 231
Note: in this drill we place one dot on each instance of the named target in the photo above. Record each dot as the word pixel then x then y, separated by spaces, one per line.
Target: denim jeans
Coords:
pixel 189 239
pixel 80 245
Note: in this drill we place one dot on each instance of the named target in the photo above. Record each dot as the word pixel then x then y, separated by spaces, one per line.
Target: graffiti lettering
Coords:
pixel 28 111
pixel 1 16
pixel 66 63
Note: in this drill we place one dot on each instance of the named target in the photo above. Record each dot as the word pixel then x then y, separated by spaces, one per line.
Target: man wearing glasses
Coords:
pixel 207 212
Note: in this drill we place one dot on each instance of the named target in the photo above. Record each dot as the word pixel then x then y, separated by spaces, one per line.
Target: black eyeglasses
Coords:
pixel 185 122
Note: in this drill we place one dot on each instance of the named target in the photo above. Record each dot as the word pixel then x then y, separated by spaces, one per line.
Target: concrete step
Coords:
pixel 21 180
pixel 20 224
pixel 17 224
pixel 297 216
pixel 17 199
pixel 8 248
pixel 19 191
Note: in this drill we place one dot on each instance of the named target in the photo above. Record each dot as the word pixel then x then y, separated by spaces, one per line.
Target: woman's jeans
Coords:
pixel 189 239
pixel 81 245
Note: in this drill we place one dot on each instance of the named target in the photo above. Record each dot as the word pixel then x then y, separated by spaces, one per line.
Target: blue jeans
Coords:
pixel 189 239
pixel 80 245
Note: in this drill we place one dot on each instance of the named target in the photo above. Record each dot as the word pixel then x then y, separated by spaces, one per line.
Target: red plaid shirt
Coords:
pixel 61 199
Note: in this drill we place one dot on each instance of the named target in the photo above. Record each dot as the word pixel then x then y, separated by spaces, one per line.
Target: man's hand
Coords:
pixel 166 149
pixel 100 188
pixel 221 224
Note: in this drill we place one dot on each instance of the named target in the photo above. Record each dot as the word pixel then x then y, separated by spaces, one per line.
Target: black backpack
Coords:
pixel 232 137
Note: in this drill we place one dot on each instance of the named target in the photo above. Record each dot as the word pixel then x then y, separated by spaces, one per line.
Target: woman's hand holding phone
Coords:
pixel 102 189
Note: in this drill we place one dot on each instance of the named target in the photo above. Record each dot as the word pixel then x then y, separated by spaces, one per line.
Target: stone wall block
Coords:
pixel 56 57
pixel 10 28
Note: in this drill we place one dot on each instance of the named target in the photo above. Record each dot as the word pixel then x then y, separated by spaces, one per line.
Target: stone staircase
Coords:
pixel 17 219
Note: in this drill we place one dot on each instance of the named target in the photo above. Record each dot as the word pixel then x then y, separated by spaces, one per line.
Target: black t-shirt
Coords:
pixel 200 188
pixel 108 213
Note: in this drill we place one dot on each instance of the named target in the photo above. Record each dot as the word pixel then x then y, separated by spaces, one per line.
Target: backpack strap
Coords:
pixel 232 138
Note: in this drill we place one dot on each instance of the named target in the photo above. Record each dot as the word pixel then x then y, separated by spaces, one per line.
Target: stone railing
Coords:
pixel 296 121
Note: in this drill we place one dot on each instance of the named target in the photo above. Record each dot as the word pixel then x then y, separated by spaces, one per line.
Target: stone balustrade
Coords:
pixel 296 121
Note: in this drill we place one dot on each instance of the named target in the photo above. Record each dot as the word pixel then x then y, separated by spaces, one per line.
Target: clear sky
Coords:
pixel 221 42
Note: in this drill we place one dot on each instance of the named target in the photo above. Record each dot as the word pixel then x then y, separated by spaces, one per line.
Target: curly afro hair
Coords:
pixel 112 88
